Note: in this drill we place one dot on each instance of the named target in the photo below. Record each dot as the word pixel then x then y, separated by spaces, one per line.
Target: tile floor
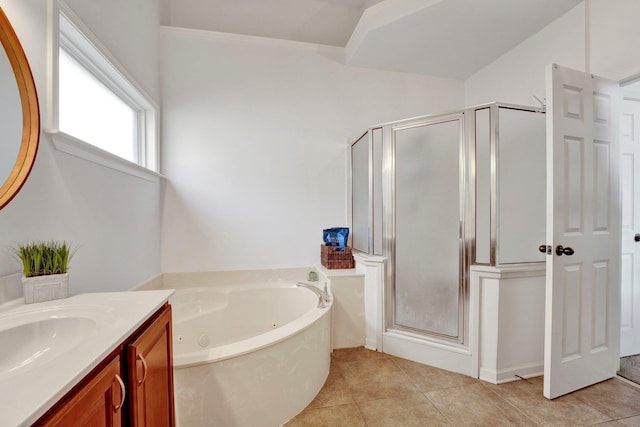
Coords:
pixel 366 388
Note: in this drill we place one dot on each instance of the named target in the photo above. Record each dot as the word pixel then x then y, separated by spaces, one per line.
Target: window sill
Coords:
pixel 80 149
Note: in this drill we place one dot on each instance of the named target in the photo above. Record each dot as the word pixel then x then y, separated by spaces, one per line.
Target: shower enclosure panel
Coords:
pixel 428 207
pixel 435 195
pixel 510 169
pixel 365 182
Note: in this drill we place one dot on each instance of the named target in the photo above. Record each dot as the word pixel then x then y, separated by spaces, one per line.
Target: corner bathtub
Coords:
pixel 247 355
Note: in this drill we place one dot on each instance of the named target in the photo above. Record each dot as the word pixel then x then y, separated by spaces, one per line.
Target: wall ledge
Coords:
pixel 511 271
pixel 366 258
pixel 82 150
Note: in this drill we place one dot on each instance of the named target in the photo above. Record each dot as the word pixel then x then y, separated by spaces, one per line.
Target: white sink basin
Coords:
pixel 35 337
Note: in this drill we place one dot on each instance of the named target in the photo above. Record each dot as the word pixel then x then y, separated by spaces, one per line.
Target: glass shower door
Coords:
pixel 427 291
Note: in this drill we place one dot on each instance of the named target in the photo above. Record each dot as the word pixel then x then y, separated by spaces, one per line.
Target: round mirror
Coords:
pixel 19 114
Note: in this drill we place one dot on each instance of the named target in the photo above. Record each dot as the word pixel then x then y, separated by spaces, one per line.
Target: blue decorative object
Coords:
pixel 336 236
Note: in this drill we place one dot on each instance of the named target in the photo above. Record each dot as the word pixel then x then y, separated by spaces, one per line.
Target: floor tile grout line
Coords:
pixel 361 414
pixel 597 423
pixel 339 371
pixel 353 400
pixel 436 389
pixel 415 385
pixel 627 382
pixel 584 401
pixel 519 410
pixel 626 417
pixel 438 409
pixel 610 418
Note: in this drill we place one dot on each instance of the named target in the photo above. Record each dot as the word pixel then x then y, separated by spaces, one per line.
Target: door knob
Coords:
pixel 564 251
pixel 636 237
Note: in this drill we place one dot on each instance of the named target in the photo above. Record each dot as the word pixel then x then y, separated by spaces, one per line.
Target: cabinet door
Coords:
pixel 96 404
pixel 150 374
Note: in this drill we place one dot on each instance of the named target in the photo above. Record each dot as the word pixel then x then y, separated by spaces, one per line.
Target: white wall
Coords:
pixel 519 74
pixel 255 137
pixel 129 30
pixel 614 33
pixel 112 218
pixel 609 49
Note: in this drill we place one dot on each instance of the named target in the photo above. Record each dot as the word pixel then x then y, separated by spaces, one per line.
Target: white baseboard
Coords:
pixel 370 344
pixel 507 375
pixel 441 356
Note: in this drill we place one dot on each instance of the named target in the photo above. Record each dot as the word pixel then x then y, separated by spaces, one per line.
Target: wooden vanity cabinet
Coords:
pixel 97 403
pixel 133 386
pixel 150 375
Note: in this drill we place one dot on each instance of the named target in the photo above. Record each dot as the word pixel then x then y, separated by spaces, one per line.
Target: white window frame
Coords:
pixel 66 30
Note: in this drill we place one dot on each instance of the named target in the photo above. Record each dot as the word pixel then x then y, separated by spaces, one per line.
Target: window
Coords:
pixel 94 103
pixel 116 121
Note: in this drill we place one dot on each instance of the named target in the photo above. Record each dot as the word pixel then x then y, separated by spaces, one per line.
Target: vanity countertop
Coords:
pixel 80 332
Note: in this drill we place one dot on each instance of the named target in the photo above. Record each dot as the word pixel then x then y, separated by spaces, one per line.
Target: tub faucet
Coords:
pixel 323 296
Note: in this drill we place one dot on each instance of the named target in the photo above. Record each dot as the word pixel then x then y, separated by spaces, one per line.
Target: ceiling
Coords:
pixel 328 22
pixel 448 38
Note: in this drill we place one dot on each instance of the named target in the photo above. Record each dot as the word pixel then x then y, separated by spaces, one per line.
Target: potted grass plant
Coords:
pixel 45 266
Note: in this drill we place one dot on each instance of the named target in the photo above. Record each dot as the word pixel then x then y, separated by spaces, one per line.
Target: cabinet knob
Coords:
pixel 123 393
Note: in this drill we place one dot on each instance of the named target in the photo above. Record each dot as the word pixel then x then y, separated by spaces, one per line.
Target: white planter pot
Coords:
pixel 45 288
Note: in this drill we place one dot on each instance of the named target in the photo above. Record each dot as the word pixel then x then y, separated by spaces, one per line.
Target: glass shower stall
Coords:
pixel 437 194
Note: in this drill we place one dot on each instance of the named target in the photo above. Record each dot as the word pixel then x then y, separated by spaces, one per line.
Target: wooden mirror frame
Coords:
pixel 30 112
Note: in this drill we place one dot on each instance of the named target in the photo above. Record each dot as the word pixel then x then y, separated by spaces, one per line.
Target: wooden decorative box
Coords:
pixel 333 258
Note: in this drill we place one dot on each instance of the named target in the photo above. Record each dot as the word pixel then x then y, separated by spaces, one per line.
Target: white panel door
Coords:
pixel 582 310
pixel 630 261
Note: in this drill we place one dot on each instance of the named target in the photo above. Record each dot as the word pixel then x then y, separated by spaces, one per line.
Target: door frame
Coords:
pixel 633 79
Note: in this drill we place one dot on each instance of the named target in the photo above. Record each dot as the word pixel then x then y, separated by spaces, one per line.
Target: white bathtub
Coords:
pixel 247 354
